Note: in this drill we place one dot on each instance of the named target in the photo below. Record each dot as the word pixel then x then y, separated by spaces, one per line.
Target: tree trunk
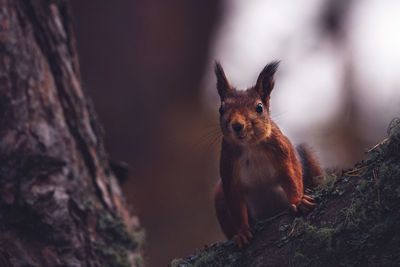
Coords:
pixel 60 203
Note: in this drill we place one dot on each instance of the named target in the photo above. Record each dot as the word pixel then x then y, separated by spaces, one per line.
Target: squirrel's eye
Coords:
pixel 221 110
pixel 259 108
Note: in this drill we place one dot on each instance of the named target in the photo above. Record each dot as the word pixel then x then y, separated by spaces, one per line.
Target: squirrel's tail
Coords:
pixel 310 165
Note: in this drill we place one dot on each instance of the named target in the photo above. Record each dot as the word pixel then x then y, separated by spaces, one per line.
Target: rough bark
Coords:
pixel 60 203
pixel 356 222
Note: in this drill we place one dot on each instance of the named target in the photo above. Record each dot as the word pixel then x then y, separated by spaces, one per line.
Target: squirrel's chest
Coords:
pixel 259 179
pixel 255 168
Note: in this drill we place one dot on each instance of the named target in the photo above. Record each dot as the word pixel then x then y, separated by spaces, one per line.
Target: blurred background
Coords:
pixel 148 66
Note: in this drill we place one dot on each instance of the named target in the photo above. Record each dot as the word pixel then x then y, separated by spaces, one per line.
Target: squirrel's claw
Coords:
pixel 242 237
pixel 304 205
pixel 307 197
pixel 307 203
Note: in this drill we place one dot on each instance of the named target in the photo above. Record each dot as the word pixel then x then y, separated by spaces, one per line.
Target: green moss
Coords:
pixel 349 218
pixel 326 180
pixel 318 241
pixel 115 242
pixel 394 127
pixel 139 261
pixel 114 230
pixel 113 255
pixel 206 259
pixel 89 204
pixel 178 263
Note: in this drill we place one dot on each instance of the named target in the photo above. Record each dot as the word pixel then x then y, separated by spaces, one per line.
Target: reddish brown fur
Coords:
pixel 251 190
pixel 310 166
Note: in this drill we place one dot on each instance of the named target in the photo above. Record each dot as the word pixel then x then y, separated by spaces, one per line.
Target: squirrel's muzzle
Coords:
pixel 238 123
pixel 237 127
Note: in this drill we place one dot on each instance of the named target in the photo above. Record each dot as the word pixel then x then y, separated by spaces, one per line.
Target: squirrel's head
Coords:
pixel 244 115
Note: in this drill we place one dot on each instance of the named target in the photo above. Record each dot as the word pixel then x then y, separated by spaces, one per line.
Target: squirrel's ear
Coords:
pixel 265 81
pixel 222 83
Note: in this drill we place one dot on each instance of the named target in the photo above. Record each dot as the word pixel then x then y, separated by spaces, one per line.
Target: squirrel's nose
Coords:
pixel 237 127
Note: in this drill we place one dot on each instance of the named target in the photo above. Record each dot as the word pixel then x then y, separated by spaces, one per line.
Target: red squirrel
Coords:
pixel 261 175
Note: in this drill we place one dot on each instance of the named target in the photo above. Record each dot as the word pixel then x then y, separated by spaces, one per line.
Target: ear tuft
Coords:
pixel 265 81
pixel 222 82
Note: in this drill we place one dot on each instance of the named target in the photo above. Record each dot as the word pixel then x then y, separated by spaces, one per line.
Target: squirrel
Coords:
pixel 261 175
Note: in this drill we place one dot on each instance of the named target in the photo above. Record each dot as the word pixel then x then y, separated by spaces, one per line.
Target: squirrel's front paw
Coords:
pixel 304 205
pixel 242 237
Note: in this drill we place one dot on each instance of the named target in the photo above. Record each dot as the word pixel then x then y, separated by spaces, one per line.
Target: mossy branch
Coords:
pixel 355 222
